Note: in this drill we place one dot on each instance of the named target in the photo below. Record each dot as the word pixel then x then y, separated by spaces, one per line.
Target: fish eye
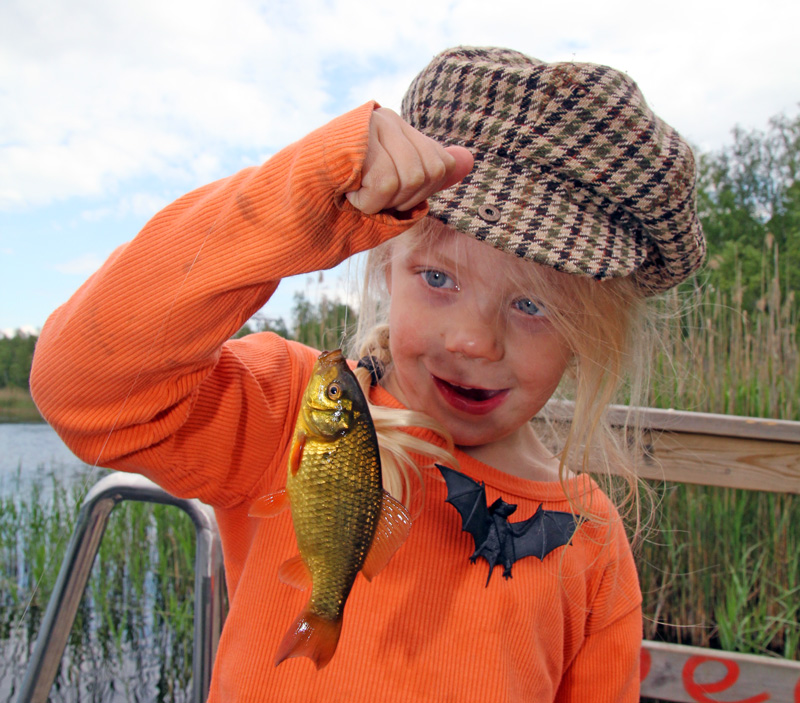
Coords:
pixel 334 391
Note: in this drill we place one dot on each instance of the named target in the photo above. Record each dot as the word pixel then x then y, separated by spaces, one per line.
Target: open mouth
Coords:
pixel 477 401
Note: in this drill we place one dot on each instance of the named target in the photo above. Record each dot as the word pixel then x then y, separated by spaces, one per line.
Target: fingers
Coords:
pixel 403 167
pixel 463 165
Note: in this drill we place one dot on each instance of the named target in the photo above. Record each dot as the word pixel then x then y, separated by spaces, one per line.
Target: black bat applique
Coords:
pixel 496 539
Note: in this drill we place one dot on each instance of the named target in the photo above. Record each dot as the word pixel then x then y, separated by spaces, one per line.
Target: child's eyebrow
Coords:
pixel 428 256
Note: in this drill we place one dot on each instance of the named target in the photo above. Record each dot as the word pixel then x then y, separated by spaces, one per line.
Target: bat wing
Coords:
pixel 469 498
pixel 542 533
pixel 496 539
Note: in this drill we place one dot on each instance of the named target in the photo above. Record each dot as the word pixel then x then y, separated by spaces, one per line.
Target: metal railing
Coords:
pixel 209 582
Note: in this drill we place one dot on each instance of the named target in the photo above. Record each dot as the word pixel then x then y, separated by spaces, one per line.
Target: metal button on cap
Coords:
pixel 489 213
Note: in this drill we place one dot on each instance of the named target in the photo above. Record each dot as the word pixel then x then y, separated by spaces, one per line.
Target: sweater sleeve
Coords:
pixel 134 371
pixel 606 669
pixel 607 665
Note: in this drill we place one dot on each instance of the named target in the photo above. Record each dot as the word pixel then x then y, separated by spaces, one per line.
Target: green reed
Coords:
pixel 721 569
pixel 725 358
pixel 722 566
pixel 132 637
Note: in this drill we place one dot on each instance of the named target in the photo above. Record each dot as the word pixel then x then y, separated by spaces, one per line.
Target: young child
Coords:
pixel 592 195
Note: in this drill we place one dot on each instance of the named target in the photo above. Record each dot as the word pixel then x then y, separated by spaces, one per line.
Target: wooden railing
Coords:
pixel 735 452
pixel 720 450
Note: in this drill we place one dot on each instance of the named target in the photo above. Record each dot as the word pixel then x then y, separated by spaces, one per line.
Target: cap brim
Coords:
pixel 541 218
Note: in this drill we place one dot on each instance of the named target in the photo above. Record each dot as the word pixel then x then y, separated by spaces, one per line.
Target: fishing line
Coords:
pixel 84 488
pixel 346 303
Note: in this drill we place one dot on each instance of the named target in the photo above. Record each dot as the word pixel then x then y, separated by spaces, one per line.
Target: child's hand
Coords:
pixel 403 166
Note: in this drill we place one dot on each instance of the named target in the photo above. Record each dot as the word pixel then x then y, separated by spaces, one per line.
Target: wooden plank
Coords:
pixel 733 426
pixel 713 450
pixel 722 461
pixel 672 672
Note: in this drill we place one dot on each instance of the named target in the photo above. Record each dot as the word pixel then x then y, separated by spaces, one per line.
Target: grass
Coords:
pixel 136 614
pixel 730 360
pixel 722 567
pixel 16 405
pixel 723 570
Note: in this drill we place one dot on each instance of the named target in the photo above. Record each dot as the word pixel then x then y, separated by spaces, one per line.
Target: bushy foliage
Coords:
pixel 321 326
pixel 16 356
pixel 749 202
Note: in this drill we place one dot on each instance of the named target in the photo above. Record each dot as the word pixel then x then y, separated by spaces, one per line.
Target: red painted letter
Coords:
pixel 698 691
pixel 645 660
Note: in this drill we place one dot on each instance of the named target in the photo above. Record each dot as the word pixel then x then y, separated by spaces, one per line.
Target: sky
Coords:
pixel 110 110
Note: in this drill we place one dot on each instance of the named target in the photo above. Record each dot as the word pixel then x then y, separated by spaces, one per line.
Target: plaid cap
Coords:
pixel 572 168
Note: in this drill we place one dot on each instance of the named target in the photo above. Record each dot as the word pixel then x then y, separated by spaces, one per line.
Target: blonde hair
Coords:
pixel 606 325
pixel 400 467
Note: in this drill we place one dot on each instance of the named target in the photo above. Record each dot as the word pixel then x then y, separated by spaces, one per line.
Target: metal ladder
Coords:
pixel 209 583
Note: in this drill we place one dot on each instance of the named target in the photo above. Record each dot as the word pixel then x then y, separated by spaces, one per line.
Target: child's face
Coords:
pixel 469 346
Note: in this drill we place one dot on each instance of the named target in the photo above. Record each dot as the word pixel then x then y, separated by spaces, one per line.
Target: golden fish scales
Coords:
pixel 336 501
pixel 343 520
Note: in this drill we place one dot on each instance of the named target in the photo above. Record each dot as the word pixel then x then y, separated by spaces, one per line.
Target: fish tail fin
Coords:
pixel 310 636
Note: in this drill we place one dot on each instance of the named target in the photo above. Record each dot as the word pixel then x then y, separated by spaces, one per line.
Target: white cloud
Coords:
pixel 100 93
pixel 83 265
pixel 340 284
pixel 142 205
pixel 97 94
pixel 110 109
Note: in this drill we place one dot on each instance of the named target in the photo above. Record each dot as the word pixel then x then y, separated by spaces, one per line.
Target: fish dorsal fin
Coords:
pixel 294 572
pixel 394 524
pixel 269 505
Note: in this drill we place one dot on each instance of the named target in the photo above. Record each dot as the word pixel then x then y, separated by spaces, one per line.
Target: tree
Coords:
pixel 16 357
pixel 749 203
pixel 261 323
pixel 322 326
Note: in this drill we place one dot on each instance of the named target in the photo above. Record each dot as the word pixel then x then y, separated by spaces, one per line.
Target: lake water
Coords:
pixel 33 452
pixel 143 663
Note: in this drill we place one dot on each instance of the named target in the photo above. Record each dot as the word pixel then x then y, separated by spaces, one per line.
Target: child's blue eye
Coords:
pixel 527 306
pixel 437 279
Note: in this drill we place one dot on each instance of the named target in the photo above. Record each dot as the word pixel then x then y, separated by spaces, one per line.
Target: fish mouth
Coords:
pixel 470 399
pixel 330 358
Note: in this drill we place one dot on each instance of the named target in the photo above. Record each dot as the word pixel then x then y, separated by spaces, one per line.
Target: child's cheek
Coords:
pixel 410 315
pixel 406 331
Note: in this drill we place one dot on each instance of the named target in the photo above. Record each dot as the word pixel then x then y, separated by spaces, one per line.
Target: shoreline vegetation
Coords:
pixel 16 405
pixel 719 567
pixel 132 638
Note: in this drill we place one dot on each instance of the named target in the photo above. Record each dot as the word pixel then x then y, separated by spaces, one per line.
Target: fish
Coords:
pixel 344 521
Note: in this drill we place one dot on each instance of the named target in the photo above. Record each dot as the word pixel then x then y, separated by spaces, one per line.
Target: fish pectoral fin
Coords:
pixel 294 572
pixel 296 454
pixel 269 505
pixel 394 524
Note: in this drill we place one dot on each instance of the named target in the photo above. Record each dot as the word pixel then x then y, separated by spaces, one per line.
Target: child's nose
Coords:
pixel 474 335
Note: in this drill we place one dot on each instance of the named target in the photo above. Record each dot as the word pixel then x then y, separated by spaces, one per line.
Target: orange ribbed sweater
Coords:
pixel 135 373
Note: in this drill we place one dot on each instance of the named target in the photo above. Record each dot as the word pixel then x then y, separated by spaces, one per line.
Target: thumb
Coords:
pixel 464 162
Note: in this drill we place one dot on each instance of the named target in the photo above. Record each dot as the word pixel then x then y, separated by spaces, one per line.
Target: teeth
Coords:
pixel 475 393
